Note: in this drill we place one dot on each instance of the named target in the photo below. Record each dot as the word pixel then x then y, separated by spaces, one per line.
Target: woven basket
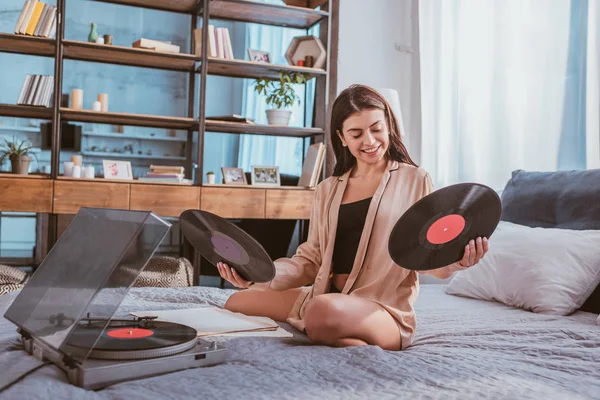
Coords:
pixel 11 279
pixel 167 272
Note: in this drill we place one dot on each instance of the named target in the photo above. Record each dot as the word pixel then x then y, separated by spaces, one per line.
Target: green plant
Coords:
pixel 210 173
pixel 280 93
pixel 16 149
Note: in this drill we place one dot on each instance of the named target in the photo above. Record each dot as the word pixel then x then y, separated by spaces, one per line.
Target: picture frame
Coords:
pixel 117 169
pixel 265 175
pixel 259 56
pixel 234 176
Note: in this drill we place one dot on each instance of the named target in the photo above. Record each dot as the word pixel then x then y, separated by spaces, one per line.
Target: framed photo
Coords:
pixel 117 169
pixel 259 56
pixel 265 175
pixel 234 176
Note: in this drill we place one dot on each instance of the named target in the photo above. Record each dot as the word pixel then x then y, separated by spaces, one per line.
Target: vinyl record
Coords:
pixel 130 340
pixel 434 231
pixel 217 239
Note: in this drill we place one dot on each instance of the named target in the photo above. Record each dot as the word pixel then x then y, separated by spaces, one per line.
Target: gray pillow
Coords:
pixel 562 199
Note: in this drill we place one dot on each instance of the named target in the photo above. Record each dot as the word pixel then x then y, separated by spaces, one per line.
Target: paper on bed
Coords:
pixel 211 321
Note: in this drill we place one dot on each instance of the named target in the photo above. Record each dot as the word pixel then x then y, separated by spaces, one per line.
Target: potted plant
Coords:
pixel 18 154
pixel 210 177
pixel 280 94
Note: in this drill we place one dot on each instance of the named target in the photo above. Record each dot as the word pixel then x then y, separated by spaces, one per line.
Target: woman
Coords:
pixel 358 295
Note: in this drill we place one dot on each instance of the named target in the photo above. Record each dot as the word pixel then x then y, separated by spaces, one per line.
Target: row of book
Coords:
pixel 219 42
pixel 165 173
pixel 37 19
pixel 37 90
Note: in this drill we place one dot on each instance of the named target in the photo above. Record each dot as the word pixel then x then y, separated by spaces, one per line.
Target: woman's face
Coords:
pixel 366 135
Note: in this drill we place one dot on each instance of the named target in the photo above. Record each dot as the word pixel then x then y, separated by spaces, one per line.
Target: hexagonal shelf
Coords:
pixel 305 3
pixel 302 46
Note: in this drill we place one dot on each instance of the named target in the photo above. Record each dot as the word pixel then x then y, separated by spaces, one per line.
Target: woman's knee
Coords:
pixel 235 302
pixel 322 317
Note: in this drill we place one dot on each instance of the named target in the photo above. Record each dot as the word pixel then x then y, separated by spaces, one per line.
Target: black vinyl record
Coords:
pixel 434 231
pixel 217 239
pixel 131 336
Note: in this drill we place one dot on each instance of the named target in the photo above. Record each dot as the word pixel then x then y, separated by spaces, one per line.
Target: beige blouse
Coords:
pixel 374 276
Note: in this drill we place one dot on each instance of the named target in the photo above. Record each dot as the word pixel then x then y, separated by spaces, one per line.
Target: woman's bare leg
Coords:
pixel 263 303
pixel 340 320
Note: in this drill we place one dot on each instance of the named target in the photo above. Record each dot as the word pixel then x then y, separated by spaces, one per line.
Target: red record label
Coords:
pixel 445 229
pixel 130 333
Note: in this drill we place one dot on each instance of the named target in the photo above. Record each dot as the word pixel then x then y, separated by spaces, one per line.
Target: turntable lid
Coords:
pixel 89 270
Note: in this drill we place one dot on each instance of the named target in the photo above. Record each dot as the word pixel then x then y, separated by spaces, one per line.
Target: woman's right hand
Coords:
pixel 231 276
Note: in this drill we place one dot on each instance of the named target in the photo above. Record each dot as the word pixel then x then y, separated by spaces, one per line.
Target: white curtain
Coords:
pixel 284 152
pixel 502 88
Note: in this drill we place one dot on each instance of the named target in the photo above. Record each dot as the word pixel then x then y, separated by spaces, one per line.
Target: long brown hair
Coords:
pixel 357 98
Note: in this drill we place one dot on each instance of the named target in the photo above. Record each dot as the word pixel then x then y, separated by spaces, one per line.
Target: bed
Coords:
pixel 465 348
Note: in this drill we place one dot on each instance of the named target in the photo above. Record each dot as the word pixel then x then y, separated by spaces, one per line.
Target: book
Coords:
pixel 36 19
pixel 219 43
pixel 311 168
pixel 232 118
pixel 215 321
pixel 156 45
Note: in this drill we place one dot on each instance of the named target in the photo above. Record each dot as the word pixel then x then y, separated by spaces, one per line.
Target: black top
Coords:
pixel 351 221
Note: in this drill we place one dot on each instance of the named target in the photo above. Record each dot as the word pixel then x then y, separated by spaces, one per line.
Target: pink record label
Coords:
pixel 229 249
pixel 445 229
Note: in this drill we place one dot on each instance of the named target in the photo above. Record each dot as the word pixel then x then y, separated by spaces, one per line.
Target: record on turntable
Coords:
pixel 217 239
pixel 131 338
pixel 435 230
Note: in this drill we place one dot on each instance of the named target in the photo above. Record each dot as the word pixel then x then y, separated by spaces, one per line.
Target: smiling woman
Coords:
pixel 357 294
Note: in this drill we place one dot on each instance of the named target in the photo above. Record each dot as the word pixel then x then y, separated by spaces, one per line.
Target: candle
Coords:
pixel 97 106
pixel 68 165
pixel 77 99
pixel 103 98
pixel 77 171
pixel 89 172
pixel 76 159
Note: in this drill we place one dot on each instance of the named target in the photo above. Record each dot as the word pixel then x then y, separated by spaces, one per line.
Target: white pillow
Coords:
pixel 545 270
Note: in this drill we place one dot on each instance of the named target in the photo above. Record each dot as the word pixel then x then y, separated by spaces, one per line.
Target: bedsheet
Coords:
pixel 464 348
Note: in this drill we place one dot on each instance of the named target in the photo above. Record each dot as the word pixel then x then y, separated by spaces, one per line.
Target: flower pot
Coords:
pixel 20 164
pixel 210 178
pixel 279 117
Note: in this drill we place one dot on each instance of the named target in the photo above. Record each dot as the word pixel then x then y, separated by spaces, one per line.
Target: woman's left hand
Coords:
pixel 474 251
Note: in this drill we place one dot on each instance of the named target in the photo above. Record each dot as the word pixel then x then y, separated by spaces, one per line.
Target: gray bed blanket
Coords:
pixel 464 348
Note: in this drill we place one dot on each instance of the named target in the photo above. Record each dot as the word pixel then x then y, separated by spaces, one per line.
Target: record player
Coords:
pixel 68 312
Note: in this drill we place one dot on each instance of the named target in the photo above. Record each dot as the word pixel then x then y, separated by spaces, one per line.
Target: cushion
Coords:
pixel 561 199
pixel 167 272
pixel 544 270
pixel 11 279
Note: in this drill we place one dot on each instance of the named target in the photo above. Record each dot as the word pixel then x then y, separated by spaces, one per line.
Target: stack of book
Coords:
pixel 37 90
pixel 37 19
pixel 165 173
pixel 313 164
pixel 219 42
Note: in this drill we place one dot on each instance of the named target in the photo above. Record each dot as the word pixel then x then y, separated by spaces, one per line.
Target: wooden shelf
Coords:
pixel 248 186
pixel 30 45
pixel 30 176
pixel 180 6
pixel 114 118
pixel 13 110
pixel 133 137
pixel 266 14
pixel 108 155
pixel 25 195
pixel 121 55
pixel 256 129
pixel 127 181
pixel 251 69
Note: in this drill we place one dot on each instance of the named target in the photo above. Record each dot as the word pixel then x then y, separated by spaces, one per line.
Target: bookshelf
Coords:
pixel 56 195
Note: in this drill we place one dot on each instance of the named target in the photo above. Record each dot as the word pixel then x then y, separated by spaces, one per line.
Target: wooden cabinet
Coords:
pixel 70 196
pixel 26 195
pixel 228 202
pixel 288 204
pixel 163 200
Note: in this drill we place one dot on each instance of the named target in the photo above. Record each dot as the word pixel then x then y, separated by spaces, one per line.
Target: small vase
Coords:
pixel 279 117
pixel 20 164
pixel 93 34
